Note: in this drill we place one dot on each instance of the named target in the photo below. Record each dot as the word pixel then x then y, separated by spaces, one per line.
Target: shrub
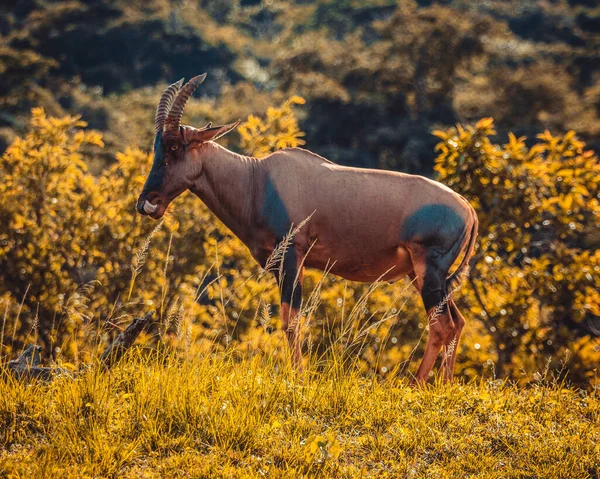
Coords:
pixel 534 283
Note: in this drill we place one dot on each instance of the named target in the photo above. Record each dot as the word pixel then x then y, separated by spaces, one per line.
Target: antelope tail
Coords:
pixel 454 280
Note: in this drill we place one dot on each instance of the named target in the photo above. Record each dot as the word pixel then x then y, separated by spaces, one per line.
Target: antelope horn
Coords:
pixel 174 117
pixel 164 105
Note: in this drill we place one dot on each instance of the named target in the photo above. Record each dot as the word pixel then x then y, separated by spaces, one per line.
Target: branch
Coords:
pixel 26 365
pixel 481 303
pixel 124 340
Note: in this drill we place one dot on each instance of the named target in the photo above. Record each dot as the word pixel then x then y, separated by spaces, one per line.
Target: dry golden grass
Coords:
pixel 238 409
pixel 157 415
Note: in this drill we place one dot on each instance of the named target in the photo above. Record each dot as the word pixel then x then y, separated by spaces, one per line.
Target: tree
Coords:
pixel 534 283
pixel 387 83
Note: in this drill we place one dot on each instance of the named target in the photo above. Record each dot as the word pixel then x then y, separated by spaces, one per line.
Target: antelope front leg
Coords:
pixel 290 320
pixel 289 277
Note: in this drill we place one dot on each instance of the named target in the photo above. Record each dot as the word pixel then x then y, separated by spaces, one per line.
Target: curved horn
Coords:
pixel 164 105
pixel 174 116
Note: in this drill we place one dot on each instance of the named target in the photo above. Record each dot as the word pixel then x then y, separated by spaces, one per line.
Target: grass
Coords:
pixel 228 414
pixel 220 416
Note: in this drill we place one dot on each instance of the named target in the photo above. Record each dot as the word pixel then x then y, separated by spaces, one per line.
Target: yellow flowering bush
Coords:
pixel 278 130
pixel 69 239
pixel 77 262
pixel 534 283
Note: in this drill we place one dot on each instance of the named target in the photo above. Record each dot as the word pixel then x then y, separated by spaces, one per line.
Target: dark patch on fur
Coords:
pixel 433 224
pixel 275 214
pixel 274 211
pixel 441 230
pixel 156 176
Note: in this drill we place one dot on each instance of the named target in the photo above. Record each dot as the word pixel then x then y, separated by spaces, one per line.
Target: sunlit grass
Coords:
pixel 168 411
pixel 156 415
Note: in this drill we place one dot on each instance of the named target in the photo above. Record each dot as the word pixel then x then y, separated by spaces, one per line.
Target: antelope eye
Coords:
pixel 174 147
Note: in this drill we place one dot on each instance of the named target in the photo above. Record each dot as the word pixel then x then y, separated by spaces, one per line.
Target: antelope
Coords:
pixel 365 224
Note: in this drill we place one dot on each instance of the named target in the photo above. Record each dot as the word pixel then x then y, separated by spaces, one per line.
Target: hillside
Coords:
pixel 220 417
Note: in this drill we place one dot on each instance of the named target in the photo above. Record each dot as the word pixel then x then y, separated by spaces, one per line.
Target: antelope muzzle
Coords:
pixel 149 204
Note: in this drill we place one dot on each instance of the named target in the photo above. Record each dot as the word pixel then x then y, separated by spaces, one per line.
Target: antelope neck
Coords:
pixel 228 186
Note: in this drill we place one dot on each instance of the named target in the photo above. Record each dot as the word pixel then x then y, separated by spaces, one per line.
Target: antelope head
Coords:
pixel 177 150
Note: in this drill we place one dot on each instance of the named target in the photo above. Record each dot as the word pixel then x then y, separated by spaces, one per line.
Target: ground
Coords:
pixel 221 416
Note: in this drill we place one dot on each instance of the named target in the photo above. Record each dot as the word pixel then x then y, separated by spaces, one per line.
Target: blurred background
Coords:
pixel 378 76
pixel 363 83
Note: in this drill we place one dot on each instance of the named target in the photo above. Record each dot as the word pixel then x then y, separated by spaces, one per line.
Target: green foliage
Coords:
pixel 393 77
pixel 532 283
pixel 216 416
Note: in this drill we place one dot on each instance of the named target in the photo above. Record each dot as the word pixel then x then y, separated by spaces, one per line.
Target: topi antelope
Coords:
pixel 364 225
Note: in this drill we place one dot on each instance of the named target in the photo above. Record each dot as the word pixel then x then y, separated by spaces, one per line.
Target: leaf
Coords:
pixel 581 189
pixel 276 424
pixel 297 100
pixel 565 172
pixel 485 123
pixel 566 201
pixel 440 134
pixel 546 136
pixel 569 136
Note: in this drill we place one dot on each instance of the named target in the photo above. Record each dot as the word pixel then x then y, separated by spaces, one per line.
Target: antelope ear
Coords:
pixel 209 133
